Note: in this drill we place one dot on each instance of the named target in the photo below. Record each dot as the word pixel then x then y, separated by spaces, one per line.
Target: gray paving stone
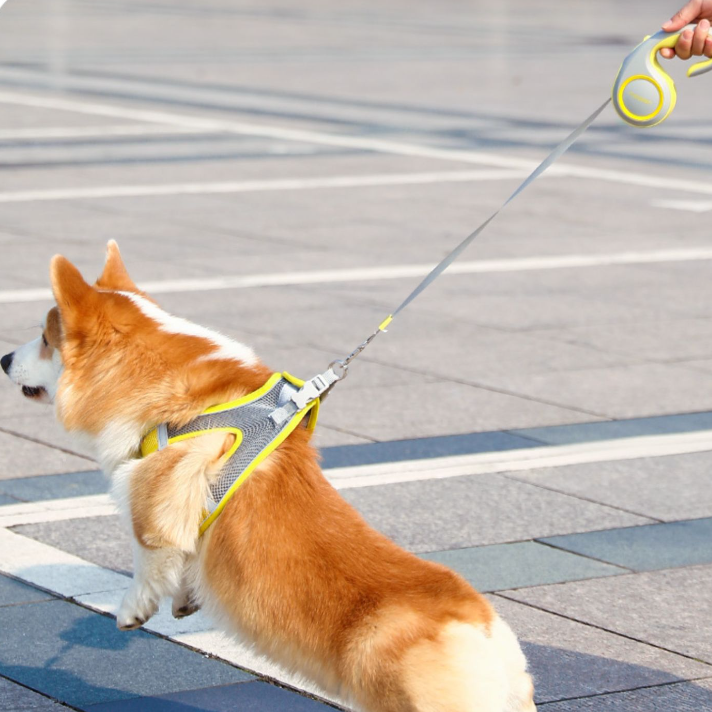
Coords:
pixel 614 392
pixel 80 657
pixel 14 592
pixel 21 457
pixel 666 488
pixel 674 339
pixel 675 697
pixel 101 540
pixel 38 423
pixel 247 696
pixel 503 566
pixel 69 484
pixel 568 659
pixel 15 698
pixel 664 608
pixel 326 437
pixel 476 510
pixel 645 548
pixel 476 354
pixel 495 301
pixel 404 412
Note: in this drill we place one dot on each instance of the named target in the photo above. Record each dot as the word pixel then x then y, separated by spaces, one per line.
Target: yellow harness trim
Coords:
pixel 149 443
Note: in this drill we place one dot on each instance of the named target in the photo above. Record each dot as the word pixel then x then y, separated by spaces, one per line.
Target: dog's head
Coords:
pixel 109 357
pixel 79 345
pixel 37 365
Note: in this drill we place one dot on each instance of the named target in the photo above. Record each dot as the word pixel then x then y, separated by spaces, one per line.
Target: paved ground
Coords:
pixel 540 421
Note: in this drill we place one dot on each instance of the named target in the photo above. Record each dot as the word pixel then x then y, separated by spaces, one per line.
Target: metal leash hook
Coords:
pixel 320 385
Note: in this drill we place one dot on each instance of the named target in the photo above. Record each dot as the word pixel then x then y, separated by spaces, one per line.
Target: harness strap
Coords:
pixel 257 433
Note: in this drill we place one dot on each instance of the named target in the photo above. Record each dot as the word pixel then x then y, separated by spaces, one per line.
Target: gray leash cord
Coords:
pixel 337 371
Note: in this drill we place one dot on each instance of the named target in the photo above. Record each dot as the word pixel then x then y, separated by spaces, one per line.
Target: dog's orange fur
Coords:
pixel 289 563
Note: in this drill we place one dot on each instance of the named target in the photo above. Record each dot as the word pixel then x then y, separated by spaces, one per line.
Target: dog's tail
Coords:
pixel 468 668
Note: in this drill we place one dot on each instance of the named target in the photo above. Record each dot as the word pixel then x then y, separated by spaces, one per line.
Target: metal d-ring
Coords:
pixel 339 369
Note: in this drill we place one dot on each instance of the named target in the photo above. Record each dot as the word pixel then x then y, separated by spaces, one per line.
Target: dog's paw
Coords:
pixel 135 610
pixel 129 623
pixel 184 608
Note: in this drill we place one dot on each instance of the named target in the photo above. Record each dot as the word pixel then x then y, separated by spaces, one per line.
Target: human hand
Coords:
pixel 692 42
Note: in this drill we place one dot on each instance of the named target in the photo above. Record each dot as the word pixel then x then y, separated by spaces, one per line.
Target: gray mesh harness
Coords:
pixel 257 435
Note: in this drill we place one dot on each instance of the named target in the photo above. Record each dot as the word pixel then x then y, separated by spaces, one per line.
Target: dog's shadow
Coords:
pixel 91 665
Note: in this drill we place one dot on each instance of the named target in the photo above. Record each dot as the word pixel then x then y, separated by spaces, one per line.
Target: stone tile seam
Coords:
pixel 38 692
pixel 495 389
pixel 512 477
pixel 672 683
pixel 624 569
pixel 346 431
pixel 66 451
pixel 558 614
pixel 29 603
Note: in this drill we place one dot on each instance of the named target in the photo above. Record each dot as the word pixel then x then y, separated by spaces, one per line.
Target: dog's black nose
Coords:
pixel 6 361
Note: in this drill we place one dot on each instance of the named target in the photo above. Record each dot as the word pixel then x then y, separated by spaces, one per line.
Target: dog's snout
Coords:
pixel 6 361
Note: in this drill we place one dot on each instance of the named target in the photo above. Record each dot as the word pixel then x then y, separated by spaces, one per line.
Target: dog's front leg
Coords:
pixel 165 494
pixel 185 601
pixel 157 574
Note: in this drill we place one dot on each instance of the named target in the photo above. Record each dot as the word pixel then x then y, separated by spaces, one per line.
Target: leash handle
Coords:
pixel 644 94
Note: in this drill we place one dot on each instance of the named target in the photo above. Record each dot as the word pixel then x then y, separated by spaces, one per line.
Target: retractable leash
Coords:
pixel 643 95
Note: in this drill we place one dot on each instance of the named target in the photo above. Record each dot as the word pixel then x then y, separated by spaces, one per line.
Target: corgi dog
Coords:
pixel 287 565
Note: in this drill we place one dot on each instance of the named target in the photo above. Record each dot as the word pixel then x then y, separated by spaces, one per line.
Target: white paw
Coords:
pixel 135 609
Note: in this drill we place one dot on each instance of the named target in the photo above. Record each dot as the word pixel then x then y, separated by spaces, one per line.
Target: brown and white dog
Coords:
pixel 288 565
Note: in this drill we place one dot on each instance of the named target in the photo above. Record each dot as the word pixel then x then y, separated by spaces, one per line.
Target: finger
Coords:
pixel 667 52
pixel 702 32
pixel 687 14
pixel 684 45
pixel 708 47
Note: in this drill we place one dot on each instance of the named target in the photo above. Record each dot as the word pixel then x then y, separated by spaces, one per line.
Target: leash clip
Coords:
pixel 311 390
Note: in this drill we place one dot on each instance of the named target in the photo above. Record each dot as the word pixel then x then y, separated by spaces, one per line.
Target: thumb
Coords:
pixel 687 14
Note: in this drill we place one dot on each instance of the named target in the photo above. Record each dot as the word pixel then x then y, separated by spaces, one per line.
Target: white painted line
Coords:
pixel 52 569
pixel 233 651
pixel 92 501
pixel 389 272
pixel 39 133
pixel 265 131
pixel 355 142
pixel 252 186
pixel 56 510
pixel 691 206
pixel 519 460
pixel 612 450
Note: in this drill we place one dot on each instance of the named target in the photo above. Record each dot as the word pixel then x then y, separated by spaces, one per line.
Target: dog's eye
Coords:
pixel 44 341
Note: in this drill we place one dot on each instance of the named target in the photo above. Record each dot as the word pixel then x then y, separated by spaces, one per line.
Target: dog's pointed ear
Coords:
pixel 69 288
pixel 115 276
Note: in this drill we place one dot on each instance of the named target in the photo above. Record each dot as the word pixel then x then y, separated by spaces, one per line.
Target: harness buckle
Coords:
pixel 311 390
